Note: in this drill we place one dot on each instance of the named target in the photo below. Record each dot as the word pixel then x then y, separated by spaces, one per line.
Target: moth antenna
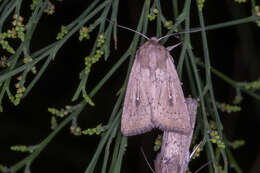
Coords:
pixel 129 29
pixel 172 47
pixel 183 32
pixel 203 166
pixel 147 160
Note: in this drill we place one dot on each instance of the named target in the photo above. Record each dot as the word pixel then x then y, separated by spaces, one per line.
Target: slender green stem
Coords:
pixel 115 153
pixel 45 142
pixel 233 162
pixel 37 77
pixel 102 142
pixel 175 9
pixel 186 37
pixel 226 24
pixel 8 9
pixel 208 73
pixel 230 81
pixel 203 108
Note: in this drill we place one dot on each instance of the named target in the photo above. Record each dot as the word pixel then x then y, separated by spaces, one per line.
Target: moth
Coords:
pixel 154 96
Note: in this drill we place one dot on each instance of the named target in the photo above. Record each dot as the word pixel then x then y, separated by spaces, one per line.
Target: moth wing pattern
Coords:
pixel 171 113
pixel 136 116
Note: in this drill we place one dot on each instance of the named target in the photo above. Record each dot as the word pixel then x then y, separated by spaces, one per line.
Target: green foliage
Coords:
pixel 255 85
pixel 153 14
pixel 257 13
pixel 97 130
pixel 201 4
pixel 18 60
pixel 238 99
pixel 157 143
pixel 90 60
pixel 240 1
pixel 33 4
pixel 88 99
pixel 62 33
pixel 229 108
pixel 197 152
pixel 237 144
pixel 215 139
pixel 168 24
pixel 16 32
pixel 84 33
pixel 21 148
pixel 4 169
pixel 60 113
pixel 188 171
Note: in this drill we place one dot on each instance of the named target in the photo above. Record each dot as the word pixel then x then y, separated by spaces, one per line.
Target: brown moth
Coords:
pixel 154 97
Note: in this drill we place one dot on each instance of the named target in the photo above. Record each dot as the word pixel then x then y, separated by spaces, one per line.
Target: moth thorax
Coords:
pixel 153 58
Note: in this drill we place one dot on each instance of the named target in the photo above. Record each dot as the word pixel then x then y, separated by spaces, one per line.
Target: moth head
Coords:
pixel 154 39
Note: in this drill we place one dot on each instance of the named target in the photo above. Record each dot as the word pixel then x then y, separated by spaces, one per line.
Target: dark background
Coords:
pixel 233 51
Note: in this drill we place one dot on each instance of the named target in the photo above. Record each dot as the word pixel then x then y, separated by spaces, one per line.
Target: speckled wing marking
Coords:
pixel 136 117
pixel 171 112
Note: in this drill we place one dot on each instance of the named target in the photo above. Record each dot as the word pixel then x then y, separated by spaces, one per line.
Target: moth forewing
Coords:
pixel 172 113
pixel 154 96
pixel 136 116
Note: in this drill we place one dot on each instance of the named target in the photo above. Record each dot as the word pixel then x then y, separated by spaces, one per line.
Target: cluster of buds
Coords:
pixel 60 113
pixel 33 4
pixel 24 148
pixel 27 60
pixel 20 89
pixel 238 143
pixel 97 130
pixel 201 4
pixel 75 130
pixel 153 14
pixel 240 1
pixel 168 24
pixel 229 108
pixel 252 85
pixel 50 9
pixel 3 61
pixel 257 13
pixel 19 27
pixel 238 99
pixel 84 33
pixel 63 32
pixel 215 139
pixel 90 60
pixel 157 143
